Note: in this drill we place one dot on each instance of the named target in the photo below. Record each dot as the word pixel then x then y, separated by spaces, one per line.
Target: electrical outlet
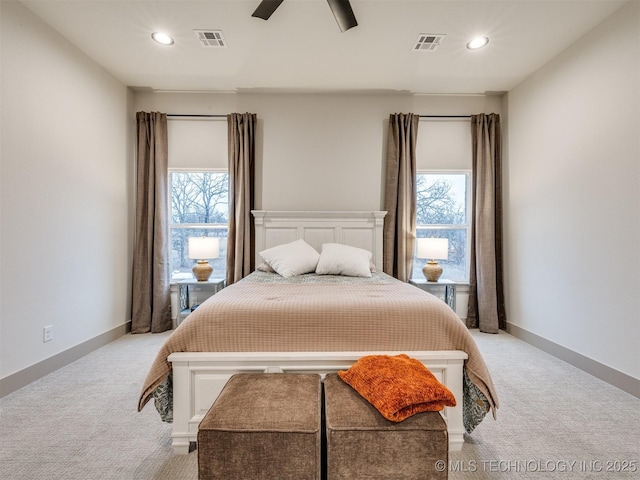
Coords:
pixel 47 333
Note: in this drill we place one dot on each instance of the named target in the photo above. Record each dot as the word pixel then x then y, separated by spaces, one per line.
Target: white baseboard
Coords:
pixel 614 377
pixel 30 374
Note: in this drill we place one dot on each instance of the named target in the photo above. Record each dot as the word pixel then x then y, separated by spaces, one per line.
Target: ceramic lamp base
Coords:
pixel 202 270
pixel 432 271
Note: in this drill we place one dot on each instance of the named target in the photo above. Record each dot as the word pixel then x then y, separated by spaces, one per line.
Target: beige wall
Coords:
pixel 573 197
pixel 66 194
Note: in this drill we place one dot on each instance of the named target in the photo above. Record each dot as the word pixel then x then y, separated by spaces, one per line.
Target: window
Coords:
pixel 443 203
pixel 199 207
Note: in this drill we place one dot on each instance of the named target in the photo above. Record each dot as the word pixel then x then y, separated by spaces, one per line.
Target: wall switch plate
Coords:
pixel 47 333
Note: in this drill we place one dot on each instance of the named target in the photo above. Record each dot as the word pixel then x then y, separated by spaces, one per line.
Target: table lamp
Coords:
pixel 201 249
pixel 433 249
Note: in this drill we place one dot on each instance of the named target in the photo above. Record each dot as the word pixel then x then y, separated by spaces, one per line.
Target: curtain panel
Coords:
pixel 240 242
pixel 399 231
pixel 151 294
pixel 486 290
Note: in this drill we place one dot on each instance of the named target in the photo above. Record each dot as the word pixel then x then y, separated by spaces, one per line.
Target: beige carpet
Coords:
pixel 555 421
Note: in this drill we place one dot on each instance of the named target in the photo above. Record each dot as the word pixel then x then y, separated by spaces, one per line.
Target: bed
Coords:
pixel 310 323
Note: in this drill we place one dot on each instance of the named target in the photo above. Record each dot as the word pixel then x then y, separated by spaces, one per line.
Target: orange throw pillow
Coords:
pixel 397 386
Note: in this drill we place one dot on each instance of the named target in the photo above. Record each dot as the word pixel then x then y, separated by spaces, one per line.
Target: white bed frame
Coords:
pixel 198 377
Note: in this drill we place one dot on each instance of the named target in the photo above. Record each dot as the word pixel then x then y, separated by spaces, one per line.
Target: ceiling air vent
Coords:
pixel 211 38
pixel 428 42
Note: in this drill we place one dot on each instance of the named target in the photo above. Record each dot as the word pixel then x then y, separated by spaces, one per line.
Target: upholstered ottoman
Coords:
pixel 263 426
pixel 361 443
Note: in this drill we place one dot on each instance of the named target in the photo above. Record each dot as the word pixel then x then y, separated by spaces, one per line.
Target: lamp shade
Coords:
pixel 433 248
pixel 204 247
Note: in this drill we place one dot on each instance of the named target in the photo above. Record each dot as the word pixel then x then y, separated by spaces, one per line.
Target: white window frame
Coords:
pixel 466 226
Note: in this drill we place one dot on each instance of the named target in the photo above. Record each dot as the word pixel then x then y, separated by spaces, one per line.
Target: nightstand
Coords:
pixel 192 292
pixel 449 287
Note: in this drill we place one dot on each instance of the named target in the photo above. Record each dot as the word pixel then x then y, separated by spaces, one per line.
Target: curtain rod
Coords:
pixel 201 116
pixel 224 116
pixel 445 116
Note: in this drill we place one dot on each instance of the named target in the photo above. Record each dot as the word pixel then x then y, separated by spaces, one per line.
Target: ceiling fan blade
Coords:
pixel 344 14
pixel 266 8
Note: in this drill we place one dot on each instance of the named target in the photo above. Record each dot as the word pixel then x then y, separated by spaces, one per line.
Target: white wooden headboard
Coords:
pixel 357 229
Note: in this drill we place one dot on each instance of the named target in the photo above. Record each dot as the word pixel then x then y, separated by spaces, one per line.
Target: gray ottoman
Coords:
pixel 361 443
pixel 263 426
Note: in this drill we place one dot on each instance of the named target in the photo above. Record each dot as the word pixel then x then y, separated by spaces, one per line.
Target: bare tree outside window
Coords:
pixel 441 212
pixel 199 207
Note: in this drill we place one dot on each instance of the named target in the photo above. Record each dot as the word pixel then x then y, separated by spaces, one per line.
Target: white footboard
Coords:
pixel 198 379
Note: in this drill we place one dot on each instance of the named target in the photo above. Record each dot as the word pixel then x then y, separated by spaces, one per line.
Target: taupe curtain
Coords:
pixel 486 292
pixel 240 243
pixel 151 300
pixel 399 231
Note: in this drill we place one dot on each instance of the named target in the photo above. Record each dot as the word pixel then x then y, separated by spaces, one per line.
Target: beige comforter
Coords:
pixel 259 314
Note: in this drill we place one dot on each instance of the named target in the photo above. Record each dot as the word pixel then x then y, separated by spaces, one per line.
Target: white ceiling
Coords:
pixel 301 49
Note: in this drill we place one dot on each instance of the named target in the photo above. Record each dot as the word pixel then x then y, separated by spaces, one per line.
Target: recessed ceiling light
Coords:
pixel 477 43
pixel 162 38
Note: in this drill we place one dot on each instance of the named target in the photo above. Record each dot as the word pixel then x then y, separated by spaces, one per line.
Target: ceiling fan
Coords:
pixel 341 10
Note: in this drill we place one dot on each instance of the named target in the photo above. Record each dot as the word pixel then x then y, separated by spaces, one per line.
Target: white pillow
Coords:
pixel 291 259
pixel 338 259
